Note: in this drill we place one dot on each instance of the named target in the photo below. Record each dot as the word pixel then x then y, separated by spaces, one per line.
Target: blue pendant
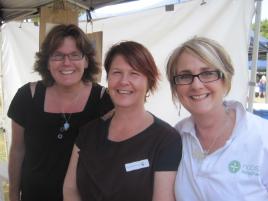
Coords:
pixel 66 126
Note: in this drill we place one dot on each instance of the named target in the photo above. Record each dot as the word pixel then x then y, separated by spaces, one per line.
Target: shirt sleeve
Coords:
pixel 18 107
pixel 85 131
pixel 170 152
pixel 82 137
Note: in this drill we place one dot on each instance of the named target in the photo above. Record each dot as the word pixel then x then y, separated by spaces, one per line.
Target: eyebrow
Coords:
pixel 203 69
pixel 58 52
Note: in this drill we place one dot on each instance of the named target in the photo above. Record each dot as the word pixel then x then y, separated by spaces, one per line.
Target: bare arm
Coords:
pixel 70 191
pixel 16 156
pixel 164 186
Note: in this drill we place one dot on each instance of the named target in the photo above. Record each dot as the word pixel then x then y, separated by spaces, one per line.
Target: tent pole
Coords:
pixel 252 82
pixel 266 92
pixel 2 116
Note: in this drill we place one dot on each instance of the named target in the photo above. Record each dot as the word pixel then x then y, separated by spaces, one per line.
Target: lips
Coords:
pixel 66 72
pixel 121 91
pixel 199 97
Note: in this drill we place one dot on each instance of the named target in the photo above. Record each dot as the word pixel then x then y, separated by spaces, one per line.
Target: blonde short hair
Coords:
pixel 210 52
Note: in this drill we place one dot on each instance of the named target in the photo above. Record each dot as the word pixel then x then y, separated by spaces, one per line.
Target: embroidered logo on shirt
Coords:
pixel 137 165
pixel 248 169
pixel 234 166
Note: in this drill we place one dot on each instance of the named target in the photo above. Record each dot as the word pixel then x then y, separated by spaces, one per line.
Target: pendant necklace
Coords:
pixel 66 119
pixel 66 124
pixel 65 127
pixel 219 135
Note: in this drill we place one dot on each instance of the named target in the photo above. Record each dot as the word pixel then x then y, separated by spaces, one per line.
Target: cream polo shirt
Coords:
pixel 236 172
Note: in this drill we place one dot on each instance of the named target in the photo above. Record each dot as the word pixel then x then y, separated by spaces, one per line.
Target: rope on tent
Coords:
pixel 203 2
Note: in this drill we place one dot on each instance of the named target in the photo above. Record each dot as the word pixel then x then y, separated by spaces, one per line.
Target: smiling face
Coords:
pixel 198 98
pixel 127 86
pixel 67 72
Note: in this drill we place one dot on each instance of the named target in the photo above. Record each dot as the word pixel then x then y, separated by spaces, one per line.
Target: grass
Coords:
pixel 259 100
pixel 3 146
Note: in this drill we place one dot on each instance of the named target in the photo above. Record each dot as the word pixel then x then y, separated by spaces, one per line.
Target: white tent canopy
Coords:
pixel 227 21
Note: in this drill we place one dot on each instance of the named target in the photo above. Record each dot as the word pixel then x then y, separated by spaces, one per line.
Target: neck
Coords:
pixel 213 130
pixel 68 92
pixel 126 124
pixel 210 121
pixel 129 114
pixel 67 99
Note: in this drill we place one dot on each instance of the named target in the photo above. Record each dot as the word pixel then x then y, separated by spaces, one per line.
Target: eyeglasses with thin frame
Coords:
pixel 75 56
pixel 204 77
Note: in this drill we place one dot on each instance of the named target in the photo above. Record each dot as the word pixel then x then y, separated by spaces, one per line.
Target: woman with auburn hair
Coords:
pixel 133 155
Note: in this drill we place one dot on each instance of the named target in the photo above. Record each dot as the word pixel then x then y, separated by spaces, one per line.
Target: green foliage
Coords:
pixel 263 28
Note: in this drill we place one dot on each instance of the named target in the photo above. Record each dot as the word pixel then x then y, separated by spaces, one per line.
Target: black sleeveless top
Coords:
pixel 46 154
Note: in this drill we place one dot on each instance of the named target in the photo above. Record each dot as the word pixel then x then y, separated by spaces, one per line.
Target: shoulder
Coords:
pixel 91 125
pixel 169 146
pixel 23 93
pixel 257 125
pixel 186 125
pixel 163 125
pixel 165 130
pixel 251 128
pixel 99 91
pixel 29 88
pixel 251 121
pixel 34 86
pixel 96 86
pixel 88 133
pixel 25 88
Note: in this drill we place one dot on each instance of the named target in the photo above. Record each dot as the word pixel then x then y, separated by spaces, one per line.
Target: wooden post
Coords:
pixel 52 15
pixel 96 39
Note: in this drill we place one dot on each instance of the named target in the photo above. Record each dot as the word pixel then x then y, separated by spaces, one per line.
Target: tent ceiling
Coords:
pixel 14 9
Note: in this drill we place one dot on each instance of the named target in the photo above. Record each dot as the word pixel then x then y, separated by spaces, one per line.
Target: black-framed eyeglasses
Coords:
pixel 205 77
pixel 75 56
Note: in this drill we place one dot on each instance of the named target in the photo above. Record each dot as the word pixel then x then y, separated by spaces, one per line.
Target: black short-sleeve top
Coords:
pixel 120 171
pixel 46 155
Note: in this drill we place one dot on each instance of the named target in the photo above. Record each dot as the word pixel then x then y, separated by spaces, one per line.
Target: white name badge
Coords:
pixel 137 165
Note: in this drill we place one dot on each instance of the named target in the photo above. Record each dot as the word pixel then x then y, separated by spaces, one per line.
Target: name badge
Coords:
pixel 137 165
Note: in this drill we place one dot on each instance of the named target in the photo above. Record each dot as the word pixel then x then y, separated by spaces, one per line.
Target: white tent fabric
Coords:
pixel 227 21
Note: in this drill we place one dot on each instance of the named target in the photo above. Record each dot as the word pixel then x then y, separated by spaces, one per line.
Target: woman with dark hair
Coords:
pixel 46 115
pixel 133 155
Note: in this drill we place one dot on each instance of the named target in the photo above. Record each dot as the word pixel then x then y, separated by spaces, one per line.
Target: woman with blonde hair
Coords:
pixel 225 148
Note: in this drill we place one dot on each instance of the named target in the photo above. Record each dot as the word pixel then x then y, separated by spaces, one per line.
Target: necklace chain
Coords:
pixel 208 150
pixel 66 125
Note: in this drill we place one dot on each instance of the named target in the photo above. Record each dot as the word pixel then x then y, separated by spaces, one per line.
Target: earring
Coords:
pixel 146 96
pixel 179 109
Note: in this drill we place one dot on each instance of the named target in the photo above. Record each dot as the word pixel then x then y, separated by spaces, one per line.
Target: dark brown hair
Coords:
pixel 138 57
pixel 54 40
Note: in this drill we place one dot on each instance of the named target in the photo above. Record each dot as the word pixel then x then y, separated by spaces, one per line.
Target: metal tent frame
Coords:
pixel 252 82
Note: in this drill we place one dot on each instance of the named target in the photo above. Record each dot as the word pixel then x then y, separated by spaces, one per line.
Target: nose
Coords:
pixel 196 83
pixel 124 79
pixel 66 60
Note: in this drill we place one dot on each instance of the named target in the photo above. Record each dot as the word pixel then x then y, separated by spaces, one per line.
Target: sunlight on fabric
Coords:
pixel 130 7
